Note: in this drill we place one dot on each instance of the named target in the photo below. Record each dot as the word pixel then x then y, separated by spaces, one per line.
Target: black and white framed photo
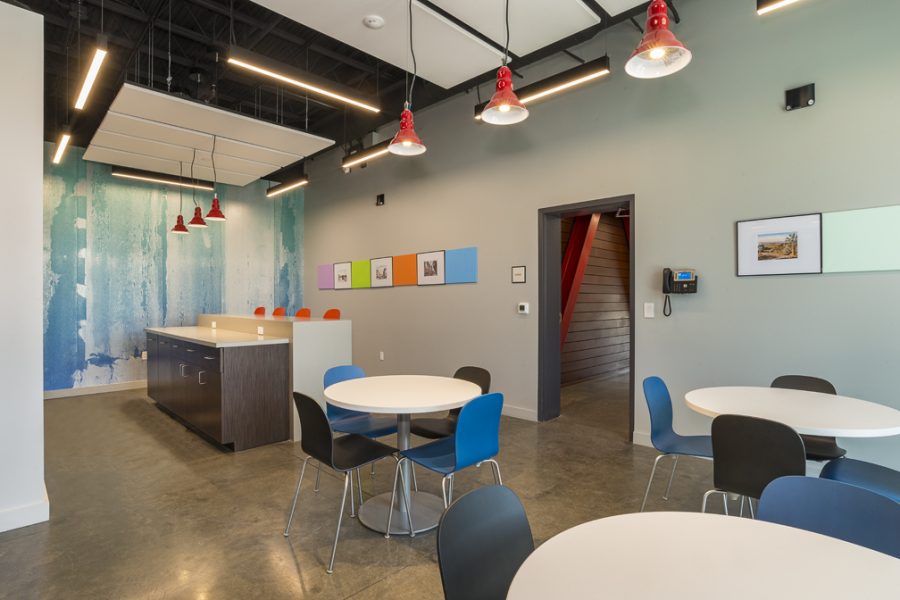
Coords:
pixel 430 268
pixel 780 246
pixel 518 274
pixel 342 276
pixel 383 272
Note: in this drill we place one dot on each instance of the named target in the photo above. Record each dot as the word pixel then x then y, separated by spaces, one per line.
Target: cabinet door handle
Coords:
pixel 182 365
pixel 174 345
pixel 191 350
pixel 209 357
pixel 200 378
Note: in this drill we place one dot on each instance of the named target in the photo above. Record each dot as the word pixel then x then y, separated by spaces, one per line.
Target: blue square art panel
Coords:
pixel 461 265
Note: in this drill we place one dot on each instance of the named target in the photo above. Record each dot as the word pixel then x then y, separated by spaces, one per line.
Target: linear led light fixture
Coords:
pixel 61 147
pixel 297 78
pixel 287 186
pixel 560 82
pixel 364 156
pixel 160 178
pixel 92 72
pixel 767 6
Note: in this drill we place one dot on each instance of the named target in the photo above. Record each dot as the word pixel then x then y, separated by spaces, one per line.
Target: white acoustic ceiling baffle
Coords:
pixel 614 7
pixel 153 131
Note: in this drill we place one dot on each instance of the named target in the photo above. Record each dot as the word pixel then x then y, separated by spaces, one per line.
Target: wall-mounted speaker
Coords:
pixel 801 97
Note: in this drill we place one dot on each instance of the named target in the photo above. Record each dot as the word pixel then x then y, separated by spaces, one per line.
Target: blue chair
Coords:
pixel 351 421
pixel 872 477
pixel 835 509
pixel 477 440
pixel 663 436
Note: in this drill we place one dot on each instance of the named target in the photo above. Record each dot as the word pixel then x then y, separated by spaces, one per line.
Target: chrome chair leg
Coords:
pixel 725 502
pixel 287 528
pixel 450 493
pixel 352 498
pixel 495 469
pixel 318 472
pixel 650 482
pixel 671 477
pixel 706 498
pixel 412 467
pixel 373 469
pixel 743 498
pixel 444 491
pixel 347 477
pixel 750 504
pixel 387 533
pixel 359 488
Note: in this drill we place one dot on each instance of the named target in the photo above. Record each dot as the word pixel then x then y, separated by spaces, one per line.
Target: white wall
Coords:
pixel 23 499
pixel 700 150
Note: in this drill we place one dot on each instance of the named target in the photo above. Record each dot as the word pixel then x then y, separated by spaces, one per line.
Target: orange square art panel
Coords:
pixel 405 270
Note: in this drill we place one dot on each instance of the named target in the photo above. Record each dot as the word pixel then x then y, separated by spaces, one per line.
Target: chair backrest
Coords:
pixel 259 311
pixel 482 540
pixel 805 383
pixel 659 403
pixel 478 376
pixel 478 430
pixel 835 509
pixel 332 313
pixel 279 312
pixel 316 436
pixel 337 375
pixel 303 313
pixel 749 453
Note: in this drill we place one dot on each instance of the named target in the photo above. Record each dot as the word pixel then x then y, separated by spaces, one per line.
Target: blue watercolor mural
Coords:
pixel 111 267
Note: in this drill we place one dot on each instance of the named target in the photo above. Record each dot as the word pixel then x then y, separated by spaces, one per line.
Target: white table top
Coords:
pixel 810 413
pixel 401 394
pixel 217 338
pixel 701 556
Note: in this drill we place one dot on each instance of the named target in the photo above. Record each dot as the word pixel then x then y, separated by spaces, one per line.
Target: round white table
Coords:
pixel 403 395
pixel 809 413
pixel 700 556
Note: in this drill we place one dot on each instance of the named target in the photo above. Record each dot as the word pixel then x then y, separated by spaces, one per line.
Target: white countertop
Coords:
pixel 401 394
pixel 216 338
pixel 270 318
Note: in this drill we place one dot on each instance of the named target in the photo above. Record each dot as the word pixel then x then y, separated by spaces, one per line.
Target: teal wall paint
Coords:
pixel 111 267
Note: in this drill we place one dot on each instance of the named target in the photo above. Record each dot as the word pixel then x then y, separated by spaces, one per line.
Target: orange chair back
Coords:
pixel 279 312
pixel 260 311
pixel 332 313
pixel 303 313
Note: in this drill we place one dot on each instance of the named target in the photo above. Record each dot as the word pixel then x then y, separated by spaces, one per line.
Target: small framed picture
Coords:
pixel 383 272
pixel 342 277
pixel 780 246
pixel 518 274
pixel 430 268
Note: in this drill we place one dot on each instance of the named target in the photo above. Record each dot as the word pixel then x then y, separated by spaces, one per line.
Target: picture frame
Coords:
pixel 383 272
pixel 518 274
pixel 343 278
pixel 430 268
pixel 789 245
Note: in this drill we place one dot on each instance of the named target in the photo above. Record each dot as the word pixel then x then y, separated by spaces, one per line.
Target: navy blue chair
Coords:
pixel 835 509
pixel 476 440
pixel 872 477
pixel 663 436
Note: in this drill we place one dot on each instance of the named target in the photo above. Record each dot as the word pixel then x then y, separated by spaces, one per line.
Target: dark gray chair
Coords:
pixel 749 453
pixel 344 454
pixel 435 429
pixel 482 540
pixel 818 447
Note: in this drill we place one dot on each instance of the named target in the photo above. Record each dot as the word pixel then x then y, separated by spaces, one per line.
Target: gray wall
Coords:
pixel 700 150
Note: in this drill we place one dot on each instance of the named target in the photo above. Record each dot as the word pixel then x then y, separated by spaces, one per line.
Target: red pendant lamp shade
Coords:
pixel 504 107
pixel 406 142
pixel 659 53
pixel 179 228
pixel 215 213
pixel 197 221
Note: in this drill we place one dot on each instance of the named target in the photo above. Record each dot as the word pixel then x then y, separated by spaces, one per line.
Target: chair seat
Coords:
pixel 688 445
pixel 353 451
pixel 439 456
pixel 368 425
pixel 872 477
pixel 433 429
pixel 822 448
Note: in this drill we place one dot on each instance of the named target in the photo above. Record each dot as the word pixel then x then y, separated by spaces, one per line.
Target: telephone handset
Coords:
pixel 677 281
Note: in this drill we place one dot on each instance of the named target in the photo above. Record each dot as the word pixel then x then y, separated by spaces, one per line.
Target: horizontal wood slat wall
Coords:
pixel 598 343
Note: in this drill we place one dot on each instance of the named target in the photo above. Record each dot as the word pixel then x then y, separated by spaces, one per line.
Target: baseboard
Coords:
pixel 95 389
pixel 642 439
pixel 22 516
pixel 520 413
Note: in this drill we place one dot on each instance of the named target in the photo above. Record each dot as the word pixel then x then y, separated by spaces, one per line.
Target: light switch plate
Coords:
pixel 649 310
pixel 259 331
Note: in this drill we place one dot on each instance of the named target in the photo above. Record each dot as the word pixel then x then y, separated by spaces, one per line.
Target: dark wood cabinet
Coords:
pixel 237 396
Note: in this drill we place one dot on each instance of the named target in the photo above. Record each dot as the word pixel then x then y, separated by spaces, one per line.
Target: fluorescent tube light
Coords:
pixel 61 147
pixel 767 6
pixel 163 179
pixel 364 156
pixel 91 77
pixel 286 187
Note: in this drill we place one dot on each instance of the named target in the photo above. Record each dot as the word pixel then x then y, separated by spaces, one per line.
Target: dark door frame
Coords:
pixel 549 281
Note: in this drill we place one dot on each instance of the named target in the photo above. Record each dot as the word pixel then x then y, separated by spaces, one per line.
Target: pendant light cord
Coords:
pixel 412 51
pixel 506 48
pixel 193 181
pixel 212 157
pixel 169 75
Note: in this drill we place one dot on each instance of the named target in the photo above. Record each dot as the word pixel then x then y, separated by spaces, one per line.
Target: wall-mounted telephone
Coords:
pixel 677 281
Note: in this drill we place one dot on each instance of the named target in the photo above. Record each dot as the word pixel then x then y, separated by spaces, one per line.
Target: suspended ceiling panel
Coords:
pixel 153 131
pixel 533 24
pixel 614 7
pixel 446 53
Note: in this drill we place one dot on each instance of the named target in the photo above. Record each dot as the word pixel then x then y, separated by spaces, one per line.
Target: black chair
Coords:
pixel 818 447
pixel 435 429
pixel 344 454
pixel 749 453
pixel 482 540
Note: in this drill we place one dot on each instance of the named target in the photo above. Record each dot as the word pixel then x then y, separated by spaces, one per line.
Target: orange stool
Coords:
pixel 260 311
pixel 279 312
pixel 303 313
pixel 332 314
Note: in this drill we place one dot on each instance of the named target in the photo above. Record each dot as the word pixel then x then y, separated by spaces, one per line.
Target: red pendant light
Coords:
pixel 179 228
pixel 659 53
pixel 197 221
pixel 215 213
pixel 406 142
pixel 504 107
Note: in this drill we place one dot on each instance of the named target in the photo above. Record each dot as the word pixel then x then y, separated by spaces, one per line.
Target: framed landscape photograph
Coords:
pixel 383 272
pixel 780 246
pixel 342 277
pixel 430 268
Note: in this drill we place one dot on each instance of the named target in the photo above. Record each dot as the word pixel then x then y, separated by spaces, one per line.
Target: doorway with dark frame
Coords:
pixel 586 313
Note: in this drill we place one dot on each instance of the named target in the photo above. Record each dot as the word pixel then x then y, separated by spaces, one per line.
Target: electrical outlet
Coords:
pixel 260 331
pixel 381 355
pixel 144 355
pixel 213 324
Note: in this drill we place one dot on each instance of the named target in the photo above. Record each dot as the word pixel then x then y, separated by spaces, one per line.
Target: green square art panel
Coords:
pixel 861 240
pixel 361 274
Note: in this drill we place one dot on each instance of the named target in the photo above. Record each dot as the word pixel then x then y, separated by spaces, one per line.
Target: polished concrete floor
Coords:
pixel 142 508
